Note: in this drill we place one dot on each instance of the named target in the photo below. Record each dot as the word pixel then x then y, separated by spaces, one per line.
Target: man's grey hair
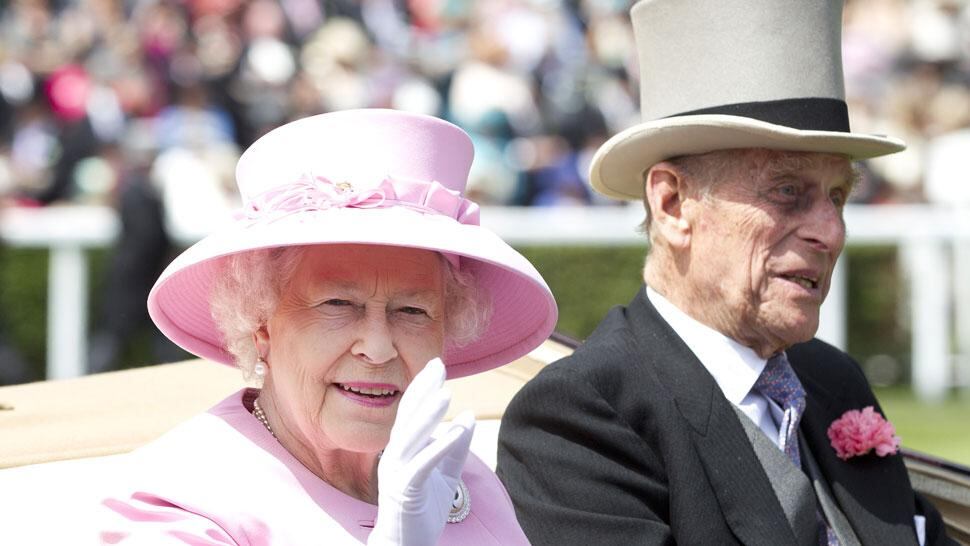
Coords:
pixel 704 168
pixel 245 296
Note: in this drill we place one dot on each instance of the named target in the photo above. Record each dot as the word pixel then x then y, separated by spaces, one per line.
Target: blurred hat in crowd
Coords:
pixel 67 90
pixel 721 74
pixel 371 177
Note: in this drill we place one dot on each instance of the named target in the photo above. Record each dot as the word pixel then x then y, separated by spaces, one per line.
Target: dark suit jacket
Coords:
pixel 630 441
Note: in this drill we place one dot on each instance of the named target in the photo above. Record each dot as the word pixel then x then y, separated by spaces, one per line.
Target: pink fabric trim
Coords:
pixel 316 193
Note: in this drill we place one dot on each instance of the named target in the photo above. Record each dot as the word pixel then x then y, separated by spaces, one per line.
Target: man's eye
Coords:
pixel 838 198
pixel 788 190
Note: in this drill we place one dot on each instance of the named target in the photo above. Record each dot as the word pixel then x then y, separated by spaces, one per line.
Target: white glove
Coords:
pixel 417 476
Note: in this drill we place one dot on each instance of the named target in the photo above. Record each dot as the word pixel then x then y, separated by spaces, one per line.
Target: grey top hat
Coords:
pixel 721 74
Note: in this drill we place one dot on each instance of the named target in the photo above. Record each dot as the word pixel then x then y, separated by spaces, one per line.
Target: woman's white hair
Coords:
pixel 245 296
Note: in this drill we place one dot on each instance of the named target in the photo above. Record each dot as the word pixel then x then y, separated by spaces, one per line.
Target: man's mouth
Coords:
pixel 803 281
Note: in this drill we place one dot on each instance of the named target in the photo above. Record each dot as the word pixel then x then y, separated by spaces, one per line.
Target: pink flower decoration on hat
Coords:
pixel 309 193
pixel 316 193
pixel 858 432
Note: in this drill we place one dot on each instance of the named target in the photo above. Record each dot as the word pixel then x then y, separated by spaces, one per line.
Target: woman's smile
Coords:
pixel 374 395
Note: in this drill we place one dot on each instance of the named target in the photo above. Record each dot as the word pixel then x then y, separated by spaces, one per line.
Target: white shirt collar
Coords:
pixel 735 367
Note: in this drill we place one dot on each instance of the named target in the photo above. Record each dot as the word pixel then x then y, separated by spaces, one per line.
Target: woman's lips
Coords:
pixel 374 395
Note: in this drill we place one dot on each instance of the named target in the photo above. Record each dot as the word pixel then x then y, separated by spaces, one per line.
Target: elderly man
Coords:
pixel 700 412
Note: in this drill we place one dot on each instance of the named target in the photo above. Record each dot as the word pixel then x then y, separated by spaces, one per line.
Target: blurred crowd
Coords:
pixel 91 90
pixel 144 105
pixel 907 69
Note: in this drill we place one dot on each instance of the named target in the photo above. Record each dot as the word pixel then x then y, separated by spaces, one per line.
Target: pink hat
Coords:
pixel 379 177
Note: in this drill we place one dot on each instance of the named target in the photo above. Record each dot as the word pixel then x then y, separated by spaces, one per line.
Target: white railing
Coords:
pixel 934 248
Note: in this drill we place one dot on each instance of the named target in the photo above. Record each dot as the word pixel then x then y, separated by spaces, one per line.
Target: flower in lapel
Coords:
pixel 858 432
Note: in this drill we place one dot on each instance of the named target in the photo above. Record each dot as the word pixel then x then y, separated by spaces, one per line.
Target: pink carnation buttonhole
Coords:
pixel 859 432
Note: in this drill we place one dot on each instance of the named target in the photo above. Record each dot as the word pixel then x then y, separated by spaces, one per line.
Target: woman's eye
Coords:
pixel 337 302
pixel 409 310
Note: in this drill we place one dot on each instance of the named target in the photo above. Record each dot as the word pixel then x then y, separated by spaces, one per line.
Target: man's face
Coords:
pixel 763 245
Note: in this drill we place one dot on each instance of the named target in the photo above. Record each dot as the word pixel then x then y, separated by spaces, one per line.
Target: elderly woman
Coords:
pixel 354 280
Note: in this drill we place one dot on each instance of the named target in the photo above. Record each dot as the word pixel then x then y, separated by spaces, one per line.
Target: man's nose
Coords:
pixel 824 228
pixel 374 343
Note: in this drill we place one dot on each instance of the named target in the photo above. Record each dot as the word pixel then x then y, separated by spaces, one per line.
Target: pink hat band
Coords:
pixel 316 193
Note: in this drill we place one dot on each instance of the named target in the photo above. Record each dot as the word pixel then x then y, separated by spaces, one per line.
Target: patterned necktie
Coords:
pixel 779 383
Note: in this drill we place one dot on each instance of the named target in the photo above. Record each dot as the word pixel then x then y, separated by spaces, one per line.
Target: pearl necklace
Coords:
pixel 258 414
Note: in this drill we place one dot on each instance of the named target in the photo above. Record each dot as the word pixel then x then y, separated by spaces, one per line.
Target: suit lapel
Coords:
pixel 741 485
pixel 866 488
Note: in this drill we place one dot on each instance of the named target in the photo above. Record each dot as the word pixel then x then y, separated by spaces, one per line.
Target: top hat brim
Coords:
pixel 619 164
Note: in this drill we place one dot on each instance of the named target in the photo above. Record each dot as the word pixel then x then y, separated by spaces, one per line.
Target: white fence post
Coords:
pixel 929 286
pixel 832 323
pixel 67 305
pixel 961 311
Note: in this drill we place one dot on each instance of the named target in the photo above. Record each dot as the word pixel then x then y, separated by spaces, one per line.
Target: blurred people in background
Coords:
pixel 508 72
pixel 139 256
pixel 537 83
pixel 514 73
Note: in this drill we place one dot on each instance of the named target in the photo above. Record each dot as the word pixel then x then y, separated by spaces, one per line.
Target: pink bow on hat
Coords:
pixel 316 193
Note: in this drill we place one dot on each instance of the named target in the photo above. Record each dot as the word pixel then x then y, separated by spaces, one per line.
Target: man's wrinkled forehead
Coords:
pixel 759 164
pixel 781 163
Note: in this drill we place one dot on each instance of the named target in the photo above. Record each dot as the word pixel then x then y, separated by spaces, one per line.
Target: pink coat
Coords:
pixel 221 478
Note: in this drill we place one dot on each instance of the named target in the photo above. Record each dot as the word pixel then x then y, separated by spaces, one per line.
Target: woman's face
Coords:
pixel 352 328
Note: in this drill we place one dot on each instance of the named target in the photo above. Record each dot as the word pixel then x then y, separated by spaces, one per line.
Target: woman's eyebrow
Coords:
pixel 354 288
pixel 423 293
pixel 329 283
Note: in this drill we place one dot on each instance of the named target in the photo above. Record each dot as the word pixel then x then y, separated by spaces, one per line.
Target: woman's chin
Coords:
pixel 365 439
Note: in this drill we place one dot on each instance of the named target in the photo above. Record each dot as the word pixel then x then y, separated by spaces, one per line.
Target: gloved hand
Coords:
pixel 417 476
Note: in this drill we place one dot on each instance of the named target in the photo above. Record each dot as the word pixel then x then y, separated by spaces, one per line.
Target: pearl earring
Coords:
pixel 260 368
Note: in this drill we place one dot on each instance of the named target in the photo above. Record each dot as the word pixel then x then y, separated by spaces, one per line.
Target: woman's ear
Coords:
pixel 665 190
pixel 261 341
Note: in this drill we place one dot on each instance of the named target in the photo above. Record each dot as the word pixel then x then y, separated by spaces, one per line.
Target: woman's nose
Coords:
pixel 374 343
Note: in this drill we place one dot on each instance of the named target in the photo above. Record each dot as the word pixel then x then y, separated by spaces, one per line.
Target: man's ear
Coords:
pixel 666 191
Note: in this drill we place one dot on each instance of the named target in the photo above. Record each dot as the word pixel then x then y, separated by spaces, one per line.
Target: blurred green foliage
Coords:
pixel 23 301
pixel 23 304
pixel 587 282
pixel 938 429
pixel 878 321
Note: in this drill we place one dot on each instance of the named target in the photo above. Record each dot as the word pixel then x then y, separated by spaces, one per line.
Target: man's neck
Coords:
pixel 702 308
